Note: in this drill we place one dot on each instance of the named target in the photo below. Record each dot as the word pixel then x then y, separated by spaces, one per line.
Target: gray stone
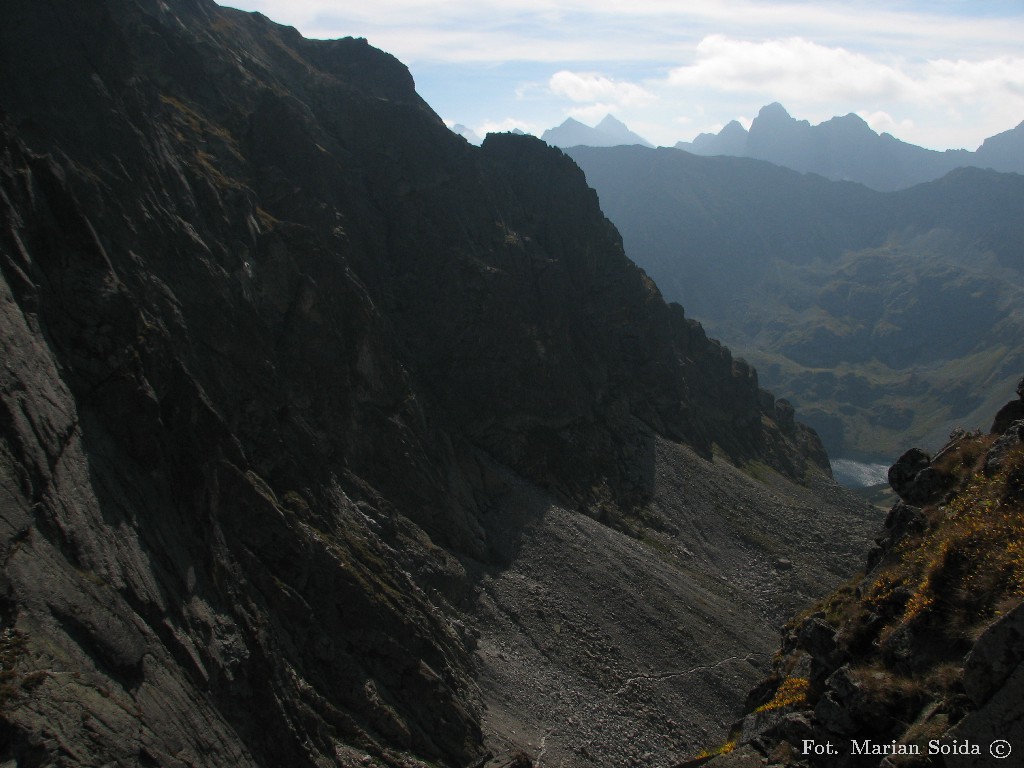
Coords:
pixel 996 655
pixel 1009 442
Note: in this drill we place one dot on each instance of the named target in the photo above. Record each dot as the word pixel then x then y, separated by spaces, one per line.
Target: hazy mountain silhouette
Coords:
pixel 608 133
pixel 847 149
pixel 467 133
pixel 1004 151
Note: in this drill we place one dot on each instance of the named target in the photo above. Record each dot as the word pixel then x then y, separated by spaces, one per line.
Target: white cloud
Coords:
pixel 793 69
pixel 796 70
pixel 588 87
pixel 941 101
pixel 592 113
pixel 958 81
pixel 883 122
pixel 506 125
pixel 642 30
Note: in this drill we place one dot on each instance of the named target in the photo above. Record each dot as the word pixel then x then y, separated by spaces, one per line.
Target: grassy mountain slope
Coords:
pixel 922 655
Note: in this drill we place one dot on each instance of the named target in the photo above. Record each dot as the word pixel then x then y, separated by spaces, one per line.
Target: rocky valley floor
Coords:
pixel 596 648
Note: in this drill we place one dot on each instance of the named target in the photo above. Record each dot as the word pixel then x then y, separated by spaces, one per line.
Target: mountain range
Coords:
pixel 886 317
pixel 328 439
pixel 847 149
pixel 610 132
pixel 842 149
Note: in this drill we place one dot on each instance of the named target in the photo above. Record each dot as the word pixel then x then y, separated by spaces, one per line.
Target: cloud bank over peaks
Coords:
pixel 916 100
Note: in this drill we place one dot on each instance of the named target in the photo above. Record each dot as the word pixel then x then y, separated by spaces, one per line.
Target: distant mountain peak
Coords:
pixel 851 126
pixel 467 133
pixel 733 127
pixel 774 117
pixel 851 118
pixel 731 140
pixel 775 109
pixel 847 148
pixel 610 132
pixel 611 123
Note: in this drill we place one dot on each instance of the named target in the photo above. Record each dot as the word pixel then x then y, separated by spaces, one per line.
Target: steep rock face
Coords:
pixel 451 246
pixel 155 575
pixel 277 346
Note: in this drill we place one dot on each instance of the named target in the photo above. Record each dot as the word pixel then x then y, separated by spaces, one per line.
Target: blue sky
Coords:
pixel 942 74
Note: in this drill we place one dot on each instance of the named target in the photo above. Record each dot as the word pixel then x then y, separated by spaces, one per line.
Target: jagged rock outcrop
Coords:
pixel 283 361
pixel 919 661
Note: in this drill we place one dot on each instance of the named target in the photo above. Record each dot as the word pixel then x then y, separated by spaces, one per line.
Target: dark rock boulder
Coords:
pixel 995 657
pixel 841 708
pixel 817 638
pixel 903 520
pixel 994 678
pixel 1011 412
pixel 914 479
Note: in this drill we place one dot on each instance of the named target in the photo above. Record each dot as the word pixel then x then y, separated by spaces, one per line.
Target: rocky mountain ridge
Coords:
pixel 847 149
pixel 298 391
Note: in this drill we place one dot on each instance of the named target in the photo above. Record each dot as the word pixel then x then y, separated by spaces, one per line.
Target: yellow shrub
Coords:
pixel 792 692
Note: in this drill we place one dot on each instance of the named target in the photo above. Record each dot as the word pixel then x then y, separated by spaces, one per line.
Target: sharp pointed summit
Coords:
pixel 774 113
